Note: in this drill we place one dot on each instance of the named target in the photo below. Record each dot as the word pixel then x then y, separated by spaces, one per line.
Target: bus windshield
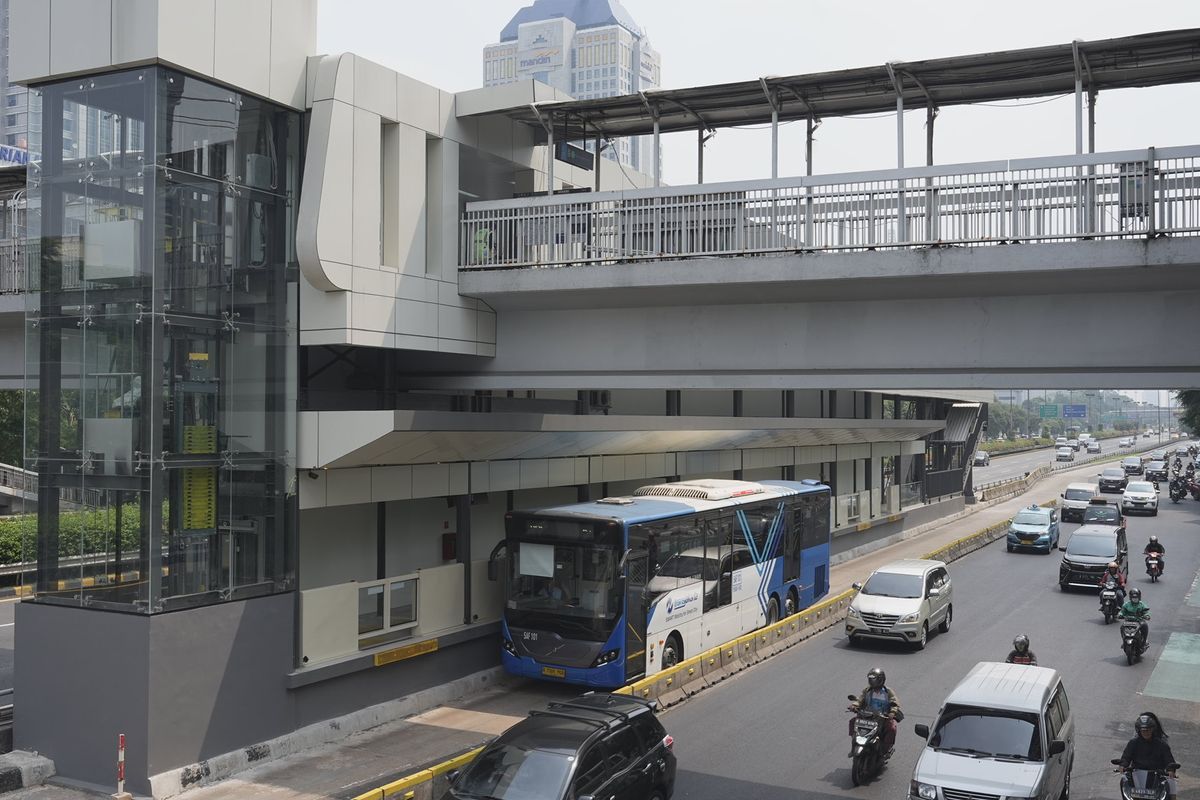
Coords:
pixel 566 588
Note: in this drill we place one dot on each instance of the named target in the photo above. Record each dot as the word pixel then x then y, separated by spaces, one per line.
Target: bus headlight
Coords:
pixel 509 647
pixel 606 658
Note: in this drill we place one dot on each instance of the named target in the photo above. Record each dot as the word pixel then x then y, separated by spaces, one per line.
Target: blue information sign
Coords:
pixel 1077 412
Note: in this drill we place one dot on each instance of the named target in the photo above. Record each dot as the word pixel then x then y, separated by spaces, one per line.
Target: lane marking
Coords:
pixel 1193 595
pixel 1174 677
pixel 8 625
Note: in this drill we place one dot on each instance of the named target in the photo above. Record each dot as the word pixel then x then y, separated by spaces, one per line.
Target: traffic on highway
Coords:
pixel 1005 673
pixel 997 597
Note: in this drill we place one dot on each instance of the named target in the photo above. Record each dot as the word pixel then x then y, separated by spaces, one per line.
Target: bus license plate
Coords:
pixel 554 672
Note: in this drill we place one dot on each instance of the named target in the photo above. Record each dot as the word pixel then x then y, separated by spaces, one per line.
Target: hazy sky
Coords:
pixel 715 41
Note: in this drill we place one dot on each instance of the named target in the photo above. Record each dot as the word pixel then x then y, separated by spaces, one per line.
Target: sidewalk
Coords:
pixel 391 751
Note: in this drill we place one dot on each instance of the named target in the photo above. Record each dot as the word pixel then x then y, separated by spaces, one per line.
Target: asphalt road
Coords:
pixel 1017 464
pixel 779 730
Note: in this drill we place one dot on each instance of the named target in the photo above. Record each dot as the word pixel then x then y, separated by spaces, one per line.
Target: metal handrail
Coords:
pixel 1130 193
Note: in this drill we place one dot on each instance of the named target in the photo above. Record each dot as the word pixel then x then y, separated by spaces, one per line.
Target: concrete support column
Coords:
pixel 462 548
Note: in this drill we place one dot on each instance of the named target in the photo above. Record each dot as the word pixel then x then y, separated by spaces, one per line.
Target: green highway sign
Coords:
pixel 1049 412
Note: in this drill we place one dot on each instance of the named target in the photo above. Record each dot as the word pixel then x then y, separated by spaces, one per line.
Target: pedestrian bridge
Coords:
pixel 1057 271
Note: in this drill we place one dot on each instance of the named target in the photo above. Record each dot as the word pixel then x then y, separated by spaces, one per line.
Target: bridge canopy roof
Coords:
pixel 1149 59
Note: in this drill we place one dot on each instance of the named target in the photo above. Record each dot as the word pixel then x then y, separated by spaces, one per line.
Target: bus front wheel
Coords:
pixel 672 652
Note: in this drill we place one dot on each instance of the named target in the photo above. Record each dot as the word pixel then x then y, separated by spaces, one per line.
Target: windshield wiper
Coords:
pixel 1013 756
pixel 964 750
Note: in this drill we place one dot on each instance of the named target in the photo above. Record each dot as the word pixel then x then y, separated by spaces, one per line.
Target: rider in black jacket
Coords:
pixel 1155 546
pixel 1148 750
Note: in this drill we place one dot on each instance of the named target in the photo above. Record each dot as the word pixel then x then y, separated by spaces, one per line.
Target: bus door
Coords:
pixel 793 524
pixel 637 572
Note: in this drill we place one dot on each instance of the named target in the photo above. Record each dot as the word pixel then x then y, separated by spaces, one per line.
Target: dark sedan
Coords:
pixel 1113 479
pixel 1132 465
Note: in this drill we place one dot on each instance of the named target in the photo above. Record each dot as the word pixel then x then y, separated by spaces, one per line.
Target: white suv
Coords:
pixel 901 601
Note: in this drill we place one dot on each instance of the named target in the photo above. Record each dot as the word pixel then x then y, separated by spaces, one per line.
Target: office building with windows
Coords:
pixel 586 48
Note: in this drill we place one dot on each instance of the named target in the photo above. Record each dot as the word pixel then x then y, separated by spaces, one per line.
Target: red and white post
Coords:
pixel 121 793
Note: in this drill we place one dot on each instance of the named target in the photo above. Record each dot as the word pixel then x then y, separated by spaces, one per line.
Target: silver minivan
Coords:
pixel 902 601
pixel 1005 730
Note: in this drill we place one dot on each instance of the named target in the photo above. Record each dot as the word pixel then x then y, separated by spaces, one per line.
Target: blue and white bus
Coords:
pixel 603 593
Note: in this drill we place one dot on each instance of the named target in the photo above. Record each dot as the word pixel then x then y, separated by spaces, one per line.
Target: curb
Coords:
pixel 20 769
pixel 174 781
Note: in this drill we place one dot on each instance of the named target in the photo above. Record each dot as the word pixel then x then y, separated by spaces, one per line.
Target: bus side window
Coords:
pixel 759 519
pixel 718 543
pixel 818 532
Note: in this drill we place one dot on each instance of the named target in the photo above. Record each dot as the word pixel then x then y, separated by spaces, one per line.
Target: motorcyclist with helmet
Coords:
pixel 1135 609
pixel 879 698
pixel 1114 572
pixel 1155 548
pixel 1021 654
pixel 1148 750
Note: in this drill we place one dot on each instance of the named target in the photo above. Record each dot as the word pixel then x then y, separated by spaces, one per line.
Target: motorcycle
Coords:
pixel 1193 487
pixel 1154 566
pixel 1108 601
pixel 1131 640
pixel 1177 489
pixel 867 751
pixel 1154 785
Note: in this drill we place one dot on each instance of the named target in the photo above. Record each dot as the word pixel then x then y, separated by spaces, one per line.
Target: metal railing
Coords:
pixel 24 481
pixel 1132 193
pixel 12 266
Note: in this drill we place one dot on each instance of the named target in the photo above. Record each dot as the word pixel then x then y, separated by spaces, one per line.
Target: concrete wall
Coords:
pixel 179 685
pixel 261 46
pixel 387 163
pixel 847 344
pixel 74 715
pixel 964 317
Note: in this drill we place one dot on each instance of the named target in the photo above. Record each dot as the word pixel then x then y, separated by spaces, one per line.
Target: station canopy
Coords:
pixel 1150 59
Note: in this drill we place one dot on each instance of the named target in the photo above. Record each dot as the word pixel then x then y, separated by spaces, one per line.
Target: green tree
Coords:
pixel 1189 407
pixel 12 424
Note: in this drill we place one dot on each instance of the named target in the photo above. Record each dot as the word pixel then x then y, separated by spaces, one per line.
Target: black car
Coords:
pixel 598 745
pixel 1113 479
pixel 1156 471
pixel 1101 512
pixel 1088 553
pixel 1132 465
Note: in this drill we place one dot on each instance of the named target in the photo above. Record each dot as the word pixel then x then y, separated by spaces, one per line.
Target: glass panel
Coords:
pixel 161 322
pixel 403 602
pixel 370 609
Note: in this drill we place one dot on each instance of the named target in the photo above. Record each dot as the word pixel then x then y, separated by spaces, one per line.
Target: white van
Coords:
pixel 1075 500
pixel 1006 730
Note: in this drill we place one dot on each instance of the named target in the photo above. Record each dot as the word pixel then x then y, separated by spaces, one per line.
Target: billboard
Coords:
pixel 540 45
pixel 1074 411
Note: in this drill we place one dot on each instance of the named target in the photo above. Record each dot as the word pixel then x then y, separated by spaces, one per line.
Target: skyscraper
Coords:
pixel 587 48
pixel 14 118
